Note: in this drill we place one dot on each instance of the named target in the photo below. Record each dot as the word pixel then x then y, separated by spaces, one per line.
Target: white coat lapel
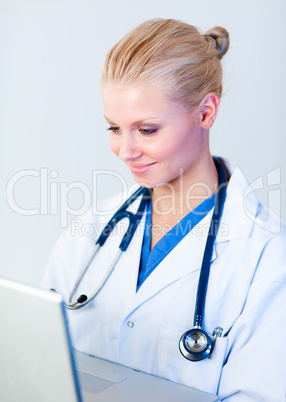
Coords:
pixel 126 277
pixel 185 258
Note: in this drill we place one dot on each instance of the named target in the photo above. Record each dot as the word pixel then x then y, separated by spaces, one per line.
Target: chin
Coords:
pixel 150 182
pixel 144 184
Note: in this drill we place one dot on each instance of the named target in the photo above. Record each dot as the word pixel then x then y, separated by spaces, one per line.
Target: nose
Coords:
pixel 128 149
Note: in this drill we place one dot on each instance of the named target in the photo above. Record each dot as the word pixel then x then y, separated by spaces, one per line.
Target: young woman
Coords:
pixel 161 87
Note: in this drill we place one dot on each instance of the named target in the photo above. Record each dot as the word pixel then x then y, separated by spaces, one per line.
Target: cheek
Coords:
pixel 189 143
pixel 158 149
pixel 170 150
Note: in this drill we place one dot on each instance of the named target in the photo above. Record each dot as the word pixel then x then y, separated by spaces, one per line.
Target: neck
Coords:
pixel 189 190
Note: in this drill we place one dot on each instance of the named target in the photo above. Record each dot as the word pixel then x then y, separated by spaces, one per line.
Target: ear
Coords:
pixel 209 110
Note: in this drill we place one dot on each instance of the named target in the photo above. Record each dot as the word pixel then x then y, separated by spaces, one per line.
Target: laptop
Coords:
pixel 38 364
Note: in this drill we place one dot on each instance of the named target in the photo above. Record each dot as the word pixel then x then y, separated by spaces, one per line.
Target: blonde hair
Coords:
pixel 172 53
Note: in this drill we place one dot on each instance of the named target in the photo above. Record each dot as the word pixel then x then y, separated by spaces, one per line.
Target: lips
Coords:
pixel 140 168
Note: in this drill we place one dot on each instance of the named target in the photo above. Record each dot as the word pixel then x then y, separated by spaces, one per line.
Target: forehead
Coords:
pixel 132 93
pixel 138 101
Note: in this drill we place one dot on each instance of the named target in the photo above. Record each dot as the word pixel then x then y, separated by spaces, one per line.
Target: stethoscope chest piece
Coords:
pixel 195 344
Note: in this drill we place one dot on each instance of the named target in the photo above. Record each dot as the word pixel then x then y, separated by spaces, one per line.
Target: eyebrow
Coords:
pixel 107 119
pixel 135 123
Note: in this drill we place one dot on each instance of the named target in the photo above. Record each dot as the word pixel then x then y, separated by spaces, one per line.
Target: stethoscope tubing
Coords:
pixel 76 305
pixel 85 268
pixel 120 214
pixel 206 263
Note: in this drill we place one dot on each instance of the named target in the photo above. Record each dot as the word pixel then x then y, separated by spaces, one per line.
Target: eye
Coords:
pixel 147 131
pixel 114 129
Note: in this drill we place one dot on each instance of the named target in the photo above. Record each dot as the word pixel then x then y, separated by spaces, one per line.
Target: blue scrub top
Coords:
pixel 151 259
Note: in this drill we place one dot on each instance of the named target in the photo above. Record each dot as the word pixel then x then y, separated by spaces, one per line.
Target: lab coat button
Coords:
pixel 130 324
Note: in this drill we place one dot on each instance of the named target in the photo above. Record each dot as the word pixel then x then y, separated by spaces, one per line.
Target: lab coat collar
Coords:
pixel 240 207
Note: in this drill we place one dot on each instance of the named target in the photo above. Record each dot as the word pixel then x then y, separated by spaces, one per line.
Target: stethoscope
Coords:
pixel 120 214
pixel 195 344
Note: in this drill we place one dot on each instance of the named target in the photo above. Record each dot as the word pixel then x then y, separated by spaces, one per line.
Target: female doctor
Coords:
pixel 161 87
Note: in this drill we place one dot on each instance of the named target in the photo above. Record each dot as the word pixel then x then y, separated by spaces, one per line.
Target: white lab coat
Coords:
pixel 246 297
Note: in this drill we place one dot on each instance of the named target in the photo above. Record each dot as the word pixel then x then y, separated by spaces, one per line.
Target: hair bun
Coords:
pixel 220 39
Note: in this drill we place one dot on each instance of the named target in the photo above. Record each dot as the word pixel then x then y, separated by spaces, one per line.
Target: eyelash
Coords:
pixel 113 129
pixel 147 131
pixel 144 131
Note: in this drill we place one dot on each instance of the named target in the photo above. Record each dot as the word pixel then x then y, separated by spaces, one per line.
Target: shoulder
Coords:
pixel 253 229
